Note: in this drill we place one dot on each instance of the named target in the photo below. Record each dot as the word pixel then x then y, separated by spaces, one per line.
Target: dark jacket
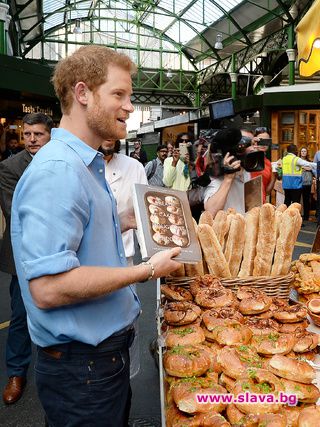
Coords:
pixel 11 170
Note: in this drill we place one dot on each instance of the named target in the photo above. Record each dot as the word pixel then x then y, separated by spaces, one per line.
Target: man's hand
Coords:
pixel 163 263
pixel 230 162
pixel 175 157
pixel 127 220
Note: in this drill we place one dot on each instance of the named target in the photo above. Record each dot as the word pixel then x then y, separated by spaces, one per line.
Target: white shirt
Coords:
pixel 121 173
pixel 235 197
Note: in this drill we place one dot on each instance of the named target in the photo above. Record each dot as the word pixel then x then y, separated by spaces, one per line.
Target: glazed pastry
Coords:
pixel 181 313
pixel 273 343
pixel 176 293
pixel 214 297
pixel 292 369
pixel 184 335
pixel 189 361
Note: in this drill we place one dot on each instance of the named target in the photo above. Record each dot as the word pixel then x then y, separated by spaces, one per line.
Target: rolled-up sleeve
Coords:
pixel 53 214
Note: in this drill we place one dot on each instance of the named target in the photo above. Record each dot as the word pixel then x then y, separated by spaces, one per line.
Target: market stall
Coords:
pixel 229 329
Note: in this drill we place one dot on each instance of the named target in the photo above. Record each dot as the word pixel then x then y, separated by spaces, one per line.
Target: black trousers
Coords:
pixel 292 196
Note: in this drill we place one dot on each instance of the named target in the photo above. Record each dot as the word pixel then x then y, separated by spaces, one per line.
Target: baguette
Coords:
pixel 266 241
pixel 251 237
pixel 291 219
pixel 220 226
pixel 216 262
pixel 235 244
pixel 206 218
pixel 295 205
pixel 196 269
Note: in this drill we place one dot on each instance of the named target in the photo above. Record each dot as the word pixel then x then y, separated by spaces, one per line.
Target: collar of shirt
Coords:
pixel 84 151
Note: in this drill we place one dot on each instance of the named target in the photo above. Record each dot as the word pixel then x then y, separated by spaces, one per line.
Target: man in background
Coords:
pixel 292 168
pixel 138 153
pixel 36 132
pixel 154 169
pixel 122 172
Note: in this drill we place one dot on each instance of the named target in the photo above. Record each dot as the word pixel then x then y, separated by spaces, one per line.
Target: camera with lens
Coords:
pixel 231 141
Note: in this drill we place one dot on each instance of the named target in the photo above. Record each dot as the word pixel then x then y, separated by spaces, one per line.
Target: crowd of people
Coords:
pixel 69 240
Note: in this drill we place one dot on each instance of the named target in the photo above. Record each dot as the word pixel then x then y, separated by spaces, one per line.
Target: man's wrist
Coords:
pixel 151 271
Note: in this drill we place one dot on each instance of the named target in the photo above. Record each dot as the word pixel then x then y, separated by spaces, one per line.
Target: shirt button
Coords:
pixel 116 225
pixel 121 255
pixel 100 170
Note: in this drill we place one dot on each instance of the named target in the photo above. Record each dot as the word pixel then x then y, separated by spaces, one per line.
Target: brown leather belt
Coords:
pixel 52 352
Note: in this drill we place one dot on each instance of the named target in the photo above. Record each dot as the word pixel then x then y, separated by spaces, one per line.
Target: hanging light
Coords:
pixel 77 28
pixel 218 44
pixel 169 73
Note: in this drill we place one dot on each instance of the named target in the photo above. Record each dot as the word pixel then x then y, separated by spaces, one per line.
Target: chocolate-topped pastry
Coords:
pixel 180 241
pixel 171 200
pixel 176 219
pixel 160 228
pixel 156 210
pixel 155 200
pixel 174 210
pixel 156 219
pixel 178 230
pixel 161 239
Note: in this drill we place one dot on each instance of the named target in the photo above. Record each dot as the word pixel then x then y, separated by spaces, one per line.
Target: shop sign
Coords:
pixel 36 109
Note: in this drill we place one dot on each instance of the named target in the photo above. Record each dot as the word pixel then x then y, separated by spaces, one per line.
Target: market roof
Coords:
pixel 201 38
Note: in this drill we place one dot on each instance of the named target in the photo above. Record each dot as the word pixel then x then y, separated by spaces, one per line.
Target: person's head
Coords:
pixel 162 152
pixel 292 149
pixel 109 147
pixel 137 144
pixel 13 142
pixel 170 149
pixel 247 133
pixel 304 153
pixel 183 137
pixel 262 132
pixel 94 85
pixel 36 131
pixel 201 146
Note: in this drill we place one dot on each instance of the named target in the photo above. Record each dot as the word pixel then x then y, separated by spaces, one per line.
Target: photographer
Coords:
pixel 176 169
pixel 230 161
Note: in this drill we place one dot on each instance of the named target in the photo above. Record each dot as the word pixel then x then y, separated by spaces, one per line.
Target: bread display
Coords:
pixel 226 351
pixel 257 244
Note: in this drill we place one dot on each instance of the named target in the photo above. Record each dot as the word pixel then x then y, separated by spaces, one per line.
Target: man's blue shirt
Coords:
pixel 64 216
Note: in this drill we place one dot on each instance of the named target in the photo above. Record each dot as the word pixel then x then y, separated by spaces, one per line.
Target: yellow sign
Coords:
pixel 308 41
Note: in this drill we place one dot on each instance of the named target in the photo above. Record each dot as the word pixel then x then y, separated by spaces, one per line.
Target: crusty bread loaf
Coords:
pixel 235 244
pixel 251 237
pixel 290 221
pixel 281 208
pixel 212 251
pixel 266 241
pixel 220 226
pixel 295 205
pixel 206 218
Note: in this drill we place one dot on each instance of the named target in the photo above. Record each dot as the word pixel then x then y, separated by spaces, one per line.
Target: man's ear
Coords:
pixel 81 93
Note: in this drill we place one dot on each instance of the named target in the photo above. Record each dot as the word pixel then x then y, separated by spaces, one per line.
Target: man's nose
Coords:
pixel 128 106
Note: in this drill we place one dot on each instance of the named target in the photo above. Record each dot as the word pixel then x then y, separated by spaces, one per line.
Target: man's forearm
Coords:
pixel 83 284
pixel 218 200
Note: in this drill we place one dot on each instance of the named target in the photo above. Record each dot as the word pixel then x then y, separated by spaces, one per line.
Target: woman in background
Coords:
pixel 307 177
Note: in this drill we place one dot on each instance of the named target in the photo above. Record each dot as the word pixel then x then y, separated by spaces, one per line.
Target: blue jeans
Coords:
pixel 85 386
pixel 18 348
